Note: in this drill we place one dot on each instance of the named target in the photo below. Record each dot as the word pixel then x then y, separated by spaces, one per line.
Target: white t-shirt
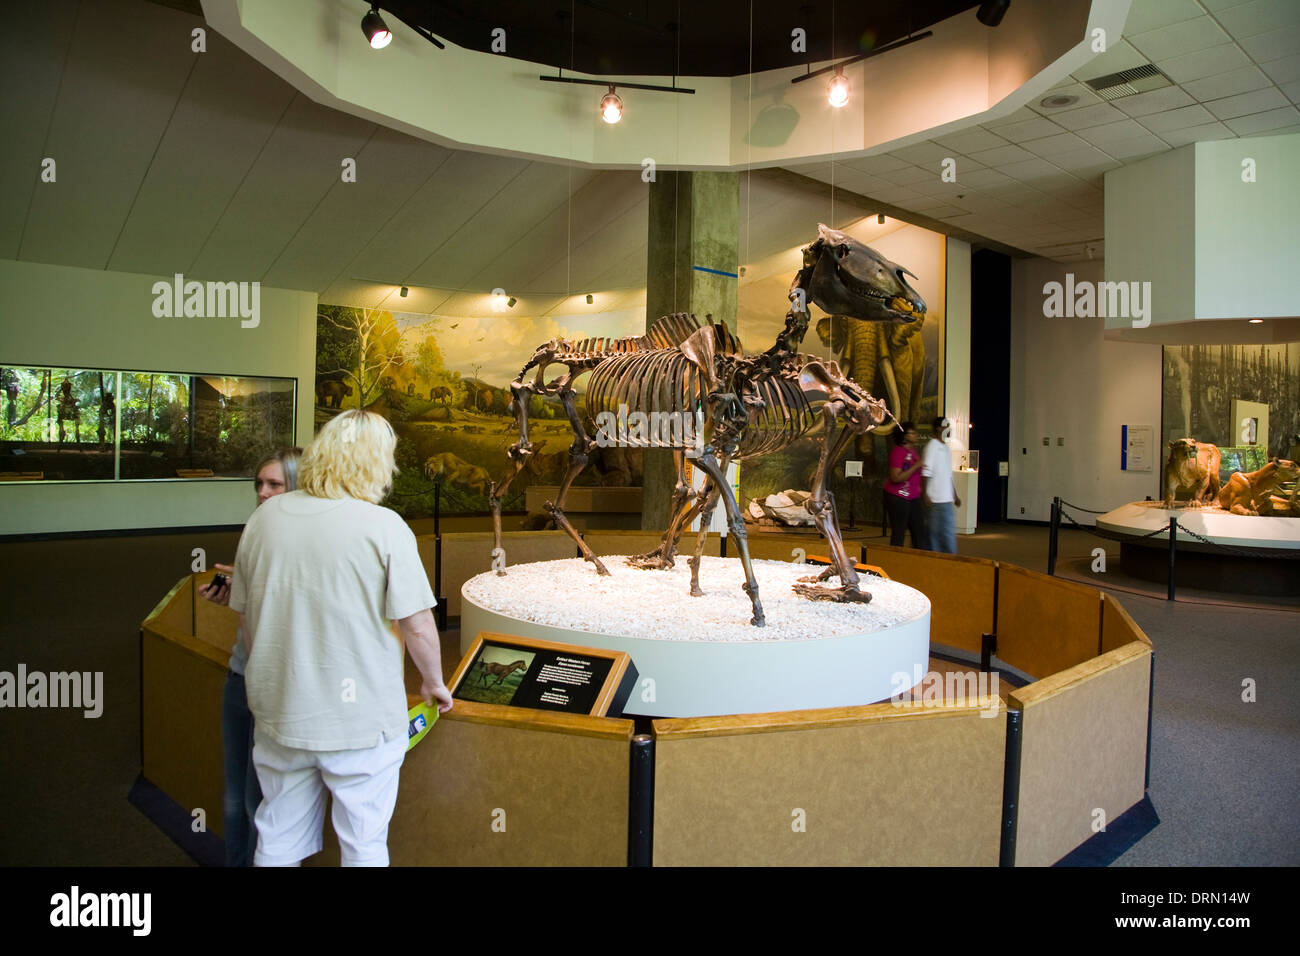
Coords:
pixel 319 580
pixel 936 465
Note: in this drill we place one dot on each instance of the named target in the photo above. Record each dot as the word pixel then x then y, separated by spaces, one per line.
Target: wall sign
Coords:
pixel 1136 447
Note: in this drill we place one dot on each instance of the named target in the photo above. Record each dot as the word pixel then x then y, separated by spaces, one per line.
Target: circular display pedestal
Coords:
pixel 1262 561
pixel 700 656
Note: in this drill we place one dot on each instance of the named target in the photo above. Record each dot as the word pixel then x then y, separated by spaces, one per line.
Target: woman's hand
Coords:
pixel 436 690
pixel 219 594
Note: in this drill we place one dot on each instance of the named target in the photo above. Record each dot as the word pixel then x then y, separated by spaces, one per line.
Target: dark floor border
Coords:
pixel 1005 671
pixel 120 533
pixel 205 849
pixel 1119 837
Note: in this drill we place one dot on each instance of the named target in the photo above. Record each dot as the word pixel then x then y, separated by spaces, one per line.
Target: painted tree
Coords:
pixel 362 345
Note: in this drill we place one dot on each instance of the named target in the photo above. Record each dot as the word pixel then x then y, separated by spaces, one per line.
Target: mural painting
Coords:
pixel 444 384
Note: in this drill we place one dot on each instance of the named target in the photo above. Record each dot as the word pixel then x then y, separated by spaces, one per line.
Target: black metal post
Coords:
pixel 1051 537
pixel 1173 551
pixel 1151 700
pixel 1011 791
pixel 988 647
pixel 641 802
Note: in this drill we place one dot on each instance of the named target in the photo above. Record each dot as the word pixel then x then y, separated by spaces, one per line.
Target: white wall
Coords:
pixel 1067 381
pixel 1151 233
pixel 1246 231
pixel 86 318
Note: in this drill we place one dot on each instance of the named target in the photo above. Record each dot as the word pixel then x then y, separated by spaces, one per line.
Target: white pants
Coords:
pixel 290 818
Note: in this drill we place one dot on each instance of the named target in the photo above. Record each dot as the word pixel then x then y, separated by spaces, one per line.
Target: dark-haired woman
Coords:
pixel 276 474
pixel 903 488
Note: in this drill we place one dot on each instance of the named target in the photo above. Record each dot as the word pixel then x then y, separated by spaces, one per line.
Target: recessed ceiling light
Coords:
pixel 1058 100
pixel 1256 321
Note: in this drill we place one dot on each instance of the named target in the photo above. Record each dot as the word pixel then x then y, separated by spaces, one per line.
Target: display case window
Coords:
pixel 67 424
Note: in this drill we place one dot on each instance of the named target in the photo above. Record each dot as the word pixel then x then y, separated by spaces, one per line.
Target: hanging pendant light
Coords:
pixel 611 107
pixel 837 92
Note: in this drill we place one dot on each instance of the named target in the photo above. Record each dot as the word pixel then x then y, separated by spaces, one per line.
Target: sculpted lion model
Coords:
pixel 1251 494
pixel 1192 467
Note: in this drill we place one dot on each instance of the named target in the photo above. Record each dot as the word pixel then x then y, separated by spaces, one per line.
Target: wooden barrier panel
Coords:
pixel 861 786
pixel 500 786
pixel 181 727
pixel 960 589
pixel 1045 625
pixel 1083 749
pixel 1117 628
pixel 777 546
pixel 465 555
pixel 642 542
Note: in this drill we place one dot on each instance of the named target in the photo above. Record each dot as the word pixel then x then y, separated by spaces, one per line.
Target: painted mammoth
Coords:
pixel 887 359
pixel 329 394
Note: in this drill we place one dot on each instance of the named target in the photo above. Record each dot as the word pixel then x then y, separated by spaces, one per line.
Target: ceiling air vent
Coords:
pixel 1140 79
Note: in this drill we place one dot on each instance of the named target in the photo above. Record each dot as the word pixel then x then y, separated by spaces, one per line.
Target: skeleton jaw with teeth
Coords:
pixel 853 280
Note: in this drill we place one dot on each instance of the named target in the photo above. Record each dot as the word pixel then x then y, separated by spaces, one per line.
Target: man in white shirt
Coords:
pixel 940 495
pixel 319 575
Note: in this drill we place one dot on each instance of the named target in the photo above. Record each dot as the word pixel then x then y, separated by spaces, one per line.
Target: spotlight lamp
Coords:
pixel 611 107
pixel 377 33
pixel 837 92
pixel 511 301
pixel 403 292
pixel 881 219
pixel 590 298
pixel 991 12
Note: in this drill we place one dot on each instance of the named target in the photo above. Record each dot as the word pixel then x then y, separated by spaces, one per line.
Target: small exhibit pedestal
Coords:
pixel 967 484
pixel 699 657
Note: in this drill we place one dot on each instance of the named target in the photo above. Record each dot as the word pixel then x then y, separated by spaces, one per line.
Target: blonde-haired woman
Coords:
pixel 275 474
pixel 323 570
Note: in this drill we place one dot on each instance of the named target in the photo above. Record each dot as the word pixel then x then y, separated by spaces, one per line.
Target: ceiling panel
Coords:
pixel 29 75
pixel 1179 39
pixel 390 168
pixel 225 117
pixel 292 175
pixel 113 108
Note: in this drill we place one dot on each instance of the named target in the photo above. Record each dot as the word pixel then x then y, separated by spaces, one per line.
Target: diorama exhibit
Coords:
pixel 752 434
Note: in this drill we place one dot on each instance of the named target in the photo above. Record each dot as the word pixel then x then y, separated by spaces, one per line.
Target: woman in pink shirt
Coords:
pixel 903 488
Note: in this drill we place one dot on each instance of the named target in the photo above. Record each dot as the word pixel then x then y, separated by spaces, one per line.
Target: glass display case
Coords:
pixel 967 460
pixel 66 424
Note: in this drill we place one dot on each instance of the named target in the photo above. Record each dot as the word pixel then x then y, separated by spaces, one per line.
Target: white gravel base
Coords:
pixel 658 604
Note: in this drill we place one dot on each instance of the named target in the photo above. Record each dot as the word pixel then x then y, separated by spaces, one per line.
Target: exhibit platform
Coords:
pixel 1243 554
pixel 982 777
pixel 701 656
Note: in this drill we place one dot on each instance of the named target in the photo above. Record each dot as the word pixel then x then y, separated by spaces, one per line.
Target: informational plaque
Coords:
pixel 1136 447
pixel 521 672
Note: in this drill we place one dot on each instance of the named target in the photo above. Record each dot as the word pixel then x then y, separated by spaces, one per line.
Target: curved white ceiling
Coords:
pixel 965 73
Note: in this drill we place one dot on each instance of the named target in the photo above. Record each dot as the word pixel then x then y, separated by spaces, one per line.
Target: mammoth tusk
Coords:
pixel 891 390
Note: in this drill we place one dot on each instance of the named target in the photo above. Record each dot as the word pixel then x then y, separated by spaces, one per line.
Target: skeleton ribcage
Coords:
pixel 666 381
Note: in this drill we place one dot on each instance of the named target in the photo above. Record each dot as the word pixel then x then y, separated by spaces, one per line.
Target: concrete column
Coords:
pixel 692 261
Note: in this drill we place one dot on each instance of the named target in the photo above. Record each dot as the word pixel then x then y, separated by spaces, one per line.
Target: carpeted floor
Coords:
pixel 1224 773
